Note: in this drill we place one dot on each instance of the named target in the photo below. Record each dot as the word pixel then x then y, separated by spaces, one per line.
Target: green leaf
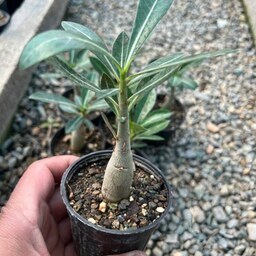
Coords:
pixel 149 13
pixel 69 109
pixel 153 83
pixel 154 68
pixel 73 124
pixel 156 128
pixel 120 48
pixel 149 137
pixel 107 83
pixel 87 33
pixel 155 117
pixel 144 106
pixel 83 31
pixel 52 98
pixel 106 93
pixel 53 42
pixel 74 76
pixel 48 44
pixel 183 82
pixel 98 105
pixel 183 60
pixel 78 100
pixel 136 129
pixel 99 66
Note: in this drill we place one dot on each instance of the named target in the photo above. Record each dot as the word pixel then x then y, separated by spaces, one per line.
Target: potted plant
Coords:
pixel 80 135
pixel 121 217
pixel 178 81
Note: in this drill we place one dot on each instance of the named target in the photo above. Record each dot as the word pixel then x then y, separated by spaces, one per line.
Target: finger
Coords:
pixel 37 184
pixel 57 165
pixel 65 231
pixel 70 250
pixel 56 205
pixel 133 253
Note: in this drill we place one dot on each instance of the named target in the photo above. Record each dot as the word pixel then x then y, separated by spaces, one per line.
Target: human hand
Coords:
pixel 34 220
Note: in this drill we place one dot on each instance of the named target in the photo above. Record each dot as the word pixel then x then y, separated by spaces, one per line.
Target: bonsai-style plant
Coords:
pixel 123 90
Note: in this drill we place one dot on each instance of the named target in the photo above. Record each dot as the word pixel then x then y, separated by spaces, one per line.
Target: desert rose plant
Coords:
pixel 80 108
pixel 117 78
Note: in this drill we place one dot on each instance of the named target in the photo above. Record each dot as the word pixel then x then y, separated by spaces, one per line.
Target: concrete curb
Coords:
pixel 250 9
pixel 31 18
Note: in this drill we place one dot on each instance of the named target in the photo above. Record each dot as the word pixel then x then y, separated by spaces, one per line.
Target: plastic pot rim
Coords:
pixel 139 162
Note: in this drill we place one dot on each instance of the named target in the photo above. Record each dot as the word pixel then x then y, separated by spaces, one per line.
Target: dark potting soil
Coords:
pixel 146 203
pixel 94 141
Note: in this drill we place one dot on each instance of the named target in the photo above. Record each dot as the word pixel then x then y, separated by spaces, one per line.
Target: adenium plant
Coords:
pixel 117 79
pixel 80 108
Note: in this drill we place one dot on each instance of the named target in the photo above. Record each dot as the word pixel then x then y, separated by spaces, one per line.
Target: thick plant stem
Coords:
pixel 120 168
pixel 77 139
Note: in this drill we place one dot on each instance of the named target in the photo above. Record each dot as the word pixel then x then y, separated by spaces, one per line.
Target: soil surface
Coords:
pixel 146 203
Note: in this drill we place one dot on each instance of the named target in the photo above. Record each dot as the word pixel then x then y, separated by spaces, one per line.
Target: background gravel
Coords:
pixel 211 163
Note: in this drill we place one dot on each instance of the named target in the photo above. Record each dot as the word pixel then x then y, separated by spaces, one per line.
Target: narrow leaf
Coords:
pixel 144 106
pixel 52 98
pixel 156 128
pixel 149 137
pixel 99 66
pixel 73 75
pixel 102 94
pixel 98 105
pixel 184 60
pixel 69 109
pixel 120 48
pixel 153 83
pixel 149 13
pixel 83 31
pixel 73 124
pixel 53 42
pixel 87 33
pixel 155 117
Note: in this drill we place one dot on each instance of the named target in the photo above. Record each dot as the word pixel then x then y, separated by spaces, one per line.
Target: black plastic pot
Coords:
pixel 95 240
pixel 3 5
pixel 60 134
pixel 4 19
pixel 13 5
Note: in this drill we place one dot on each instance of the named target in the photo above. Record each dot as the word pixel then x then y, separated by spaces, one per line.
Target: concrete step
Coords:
pixel 32 17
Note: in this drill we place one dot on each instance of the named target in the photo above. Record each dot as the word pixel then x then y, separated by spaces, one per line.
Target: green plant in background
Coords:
pixel 117 79
pixel 146 121
pixel 83 104
pixel 180 81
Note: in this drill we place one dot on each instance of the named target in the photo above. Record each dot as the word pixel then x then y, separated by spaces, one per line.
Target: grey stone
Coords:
pixel 198 214
pixel 199 190
pixel 251 229
pixel 240 249
pixel 219 214
pixel 172 238
pixel 233 223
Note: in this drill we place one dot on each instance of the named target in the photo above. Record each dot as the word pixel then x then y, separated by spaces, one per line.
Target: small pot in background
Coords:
pixel 59 144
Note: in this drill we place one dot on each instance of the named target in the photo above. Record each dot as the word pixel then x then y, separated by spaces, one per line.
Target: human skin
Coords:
pixel 34 221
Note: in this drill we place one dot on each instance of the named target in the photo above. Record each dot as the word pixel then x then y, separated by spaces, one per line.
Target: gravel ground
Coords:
pixel 211 163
